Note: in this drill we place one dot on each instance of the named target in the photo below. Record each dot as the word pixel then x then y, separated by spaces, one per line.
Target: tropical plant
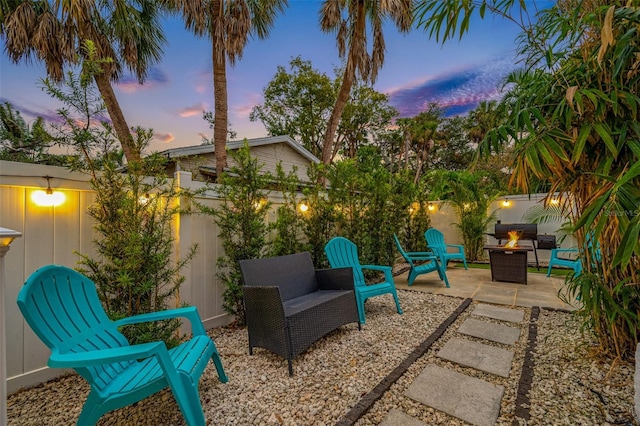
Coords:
pixel 573 120
pixel 228 24
pixel 241 219
pixel 349 19
pixel 422 134
pixel 124 33
pixel 471 195
pixel 485 117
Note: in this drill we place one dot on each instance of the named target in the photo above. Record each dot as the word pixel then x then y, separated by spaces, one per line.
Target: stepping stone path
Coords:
pixel 470 399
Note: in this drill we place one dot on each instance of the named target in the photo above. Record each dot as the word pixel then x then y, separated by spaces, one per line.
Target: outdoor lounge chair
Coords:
pixel 556 260
pixel 574 263
pixel 421 262
pixel 63 309
pixel 435 242
pixel 343 253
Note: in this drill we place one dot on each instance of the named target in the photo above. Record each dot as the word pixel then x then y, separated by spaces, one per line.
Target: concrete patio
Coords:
pixel 476 283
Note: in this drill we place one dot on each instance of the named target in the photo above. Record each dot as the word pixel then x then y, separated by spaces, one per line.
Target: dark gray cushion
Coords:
pixel 302 303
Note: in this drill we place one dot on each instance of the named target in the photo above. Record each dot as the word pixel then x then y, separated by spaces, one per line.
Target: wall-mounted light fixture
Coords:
pixel 303 207
pixel 431 207
pixel 8 235
pixel 48 197
pixel 506 202
pixel 554 201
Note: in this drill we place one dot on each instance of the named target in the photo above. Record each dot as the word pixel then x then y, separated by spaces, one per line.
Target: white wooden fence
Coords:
pixel 55 234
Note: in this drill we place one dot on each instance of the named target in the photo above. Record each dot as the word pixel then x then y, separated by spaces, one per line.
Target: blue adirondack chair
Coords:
pixel 435 241
pixel 343 253
pixel 421 262
pixel 63 309
pixel 556 260
pixel 573 263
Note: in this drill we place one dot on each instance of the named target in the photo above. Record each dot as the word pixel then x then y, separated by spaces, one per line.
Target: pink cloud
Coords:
pixel 164 137
pixel 243 110
pixel 192 111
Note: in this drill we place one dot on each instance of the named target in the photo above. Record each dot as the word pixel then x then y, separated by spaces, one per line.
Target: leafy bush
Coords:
pixel 241 219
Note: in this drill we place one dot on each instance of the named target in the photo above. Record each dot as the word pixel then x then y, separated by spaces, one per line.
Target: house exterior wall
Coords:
pixel 268 156
pixel 271 154
pixel 54 234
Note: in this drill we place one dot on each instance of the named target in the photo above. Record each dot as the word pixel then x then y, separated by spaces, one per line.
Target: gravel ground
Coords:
pixel 570 386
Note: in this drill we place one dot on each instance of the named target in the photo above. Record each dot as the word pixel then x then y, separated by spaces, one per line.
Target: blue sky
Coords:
pixel 417 71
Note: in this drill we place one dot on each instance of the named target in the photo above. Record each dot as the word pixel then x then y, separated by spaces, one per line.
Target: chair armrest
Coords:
pixel 335 278
pixel 105 356
pixel 422 255
pixel 386 269
pixel 555 251
pixel 458 247
pixel 189 312
pixel 263 306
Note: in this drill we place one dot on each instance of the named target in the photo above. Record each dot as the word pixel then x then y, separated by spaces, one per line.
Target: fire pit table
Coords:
pixel 508 264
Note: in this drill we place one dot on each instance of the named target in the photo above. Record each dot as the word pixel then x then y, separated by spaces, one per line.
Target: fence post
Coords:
pixel 6 237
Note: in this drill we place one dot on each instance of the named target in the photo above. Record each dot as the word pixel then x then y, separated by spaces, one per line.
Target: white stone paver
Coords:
pixel 499 313
pixel 482 357
pixel 472 400
pixel 498 333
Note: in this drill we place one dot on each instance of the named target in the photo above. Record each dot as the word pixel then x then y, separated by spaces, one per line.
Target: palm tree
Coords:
pixel 228 23
pixel 125 33
pixel 422 134
pixel 349 18
pixel 484 118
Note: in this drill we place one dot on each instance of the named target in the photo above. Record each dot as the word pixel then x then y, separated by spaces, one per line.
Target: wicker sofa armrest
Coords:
pixel 335 279
pixel 263 308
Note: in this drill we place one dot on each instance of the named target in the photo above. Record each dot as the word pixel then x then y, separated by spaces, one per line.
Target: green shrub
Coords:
pixel 241 219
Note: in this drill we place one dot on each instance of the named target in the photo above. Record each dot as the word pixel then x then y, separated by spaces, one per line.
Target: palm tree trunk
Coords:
pixel 220 109
pixel 336 114
pixel 345 89
pixel 131 151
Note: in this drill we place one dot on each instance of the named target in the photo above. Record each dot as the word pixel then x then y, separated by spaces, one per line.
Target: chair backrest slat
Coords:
pixel 62 307
pixel 343 253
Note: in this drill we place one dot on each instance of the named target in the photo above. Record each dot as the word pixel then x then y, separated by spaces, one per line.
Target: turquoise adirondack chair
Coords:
pixel 421 262
pixel 573 263
pixel 343 253
pixel 556 260
pixel 63 309
pixel 435 241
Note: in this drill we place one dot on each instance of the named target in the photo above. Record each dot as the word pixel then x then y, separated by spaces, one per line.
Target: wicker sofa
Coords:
pixel 289 304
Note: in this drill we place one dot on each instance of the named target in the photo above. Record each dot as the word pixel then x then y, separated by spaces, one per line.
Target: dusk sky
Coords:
pixel 416 71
